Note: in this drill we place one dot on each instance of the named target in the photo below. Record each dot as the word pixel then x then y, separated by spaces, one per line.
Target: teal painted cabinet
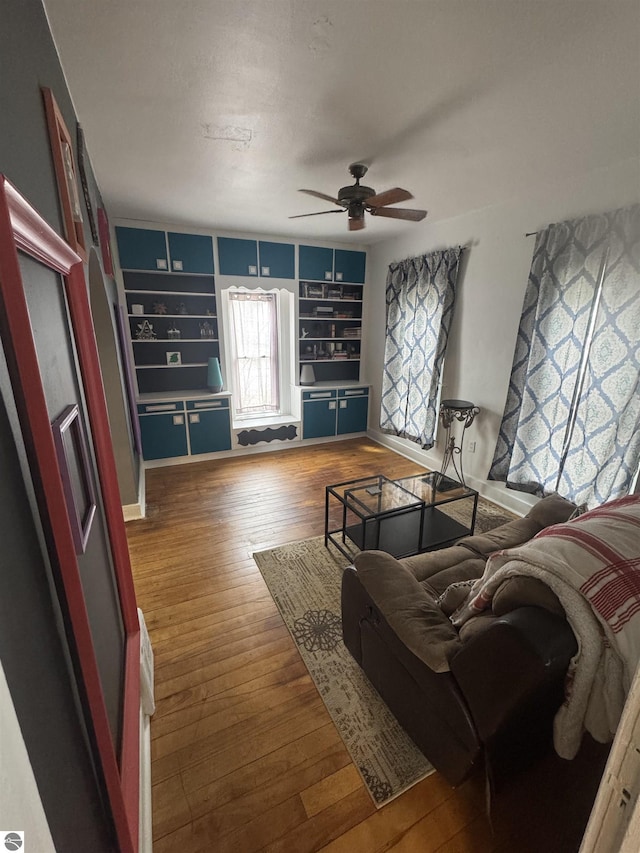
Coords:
pixel 319 413
pixel 256 258
pixel 353 410
pixel 163 430
pixel 277 260
pixel 209 425
pixel 237 257
pixel 142 249
pixel 315 263
pixel 329 411
pixel 349 266
pixel 191 253
pixel 319 263
pixel 147 249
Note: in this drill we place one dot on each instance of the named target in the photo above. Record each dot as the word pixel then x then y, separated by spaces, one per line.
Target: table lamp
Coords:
pixel 307 375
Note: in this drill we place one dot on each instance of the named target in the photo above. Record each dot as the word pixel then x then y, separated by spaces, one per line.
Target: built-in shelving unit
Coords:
pixel 330 311
pixel 169 289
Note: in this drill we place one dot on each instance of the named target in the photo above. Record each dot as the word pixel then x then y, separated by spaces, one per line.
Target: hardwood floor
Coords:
pixel 244 754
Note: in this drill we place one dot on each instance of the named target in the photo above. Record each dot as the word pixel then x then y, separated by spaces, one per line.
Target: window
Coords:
pixel 253 346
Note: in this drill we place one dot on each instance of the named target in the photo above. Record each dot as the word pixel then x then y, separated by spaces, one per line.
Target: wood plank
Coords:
pixel 245 756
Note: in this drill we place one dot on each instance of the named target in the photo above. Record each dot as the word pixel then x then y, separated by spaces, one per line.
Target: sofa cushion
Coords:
pixel 508 535
pixel 470 567
pixel 552 510
pixel 409 609
pixel 525 592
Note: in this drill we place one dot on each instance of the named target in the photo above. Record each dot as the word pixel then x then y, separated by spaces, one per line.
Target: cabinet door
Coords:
pixel 277 260
pixel 316 263
pixel 319 418
pixel 141 249
pixel 191 253
pixel 209 431
pixel 163 436
pixel 353 411
pixel 350 266
pixel 237 257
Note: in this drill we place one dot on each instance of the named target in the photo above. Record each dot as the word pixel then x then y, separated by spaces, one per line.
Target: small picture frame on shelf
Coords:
pixel 174 359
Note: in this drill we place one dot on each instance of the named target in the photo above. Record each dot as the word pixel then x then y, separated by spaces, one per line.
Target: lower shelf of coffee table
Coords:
pixel 399 534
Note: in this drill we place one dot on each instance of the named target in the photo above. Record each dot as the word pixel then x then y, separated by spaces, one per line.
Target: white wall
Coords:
pixel 489 302
pixel 20 804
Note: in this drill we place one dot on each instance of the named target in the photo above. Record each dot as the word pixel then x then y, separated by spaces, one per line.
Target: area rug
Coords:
pixel 304 579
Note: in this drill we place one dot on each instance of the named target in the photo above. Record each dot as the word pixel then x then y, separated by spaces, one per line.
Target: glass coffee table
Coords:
pixel 423 512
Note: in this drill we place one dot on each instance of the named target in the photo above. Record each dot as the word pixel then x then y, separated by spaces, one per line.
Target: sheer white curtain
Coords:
pixel 254 345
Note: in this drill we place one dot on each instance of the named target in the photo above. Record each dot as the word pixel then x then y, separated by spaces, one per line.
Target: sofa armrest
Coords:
pixel 519 657
pixel 410 611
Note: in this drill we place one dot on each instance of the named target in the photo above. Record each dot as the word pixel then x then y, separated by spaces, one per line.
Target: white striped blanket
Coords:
pixel 593 565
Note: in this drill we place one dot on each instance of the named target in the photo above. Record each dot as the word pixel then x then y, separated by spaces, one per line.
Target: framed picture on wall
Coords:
pixel 73 459
pixel 66 175
pixel 88 202
pixel 105 242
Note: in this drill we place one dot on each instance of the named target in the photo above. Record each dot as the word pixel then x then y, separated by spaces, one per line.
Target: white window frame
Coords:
pixel 283 320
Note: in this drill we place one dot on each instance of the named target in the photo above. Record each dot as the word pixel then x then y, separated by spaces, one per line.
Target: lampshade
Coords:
pixel 214 376
pixel 307 375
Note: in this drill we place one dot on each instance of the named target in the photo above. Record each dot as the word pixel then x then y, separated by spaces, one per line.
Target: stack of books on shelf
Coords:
pixel 352 332
pixel 323 311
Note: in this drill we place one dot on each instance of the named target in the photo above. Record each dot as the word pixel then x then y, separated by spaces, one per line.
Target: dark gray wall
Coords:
pixel 33 646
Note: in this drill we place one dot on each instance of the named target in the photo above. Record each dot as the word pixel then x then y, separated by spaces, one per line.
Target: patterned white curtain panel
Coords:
pixel 572 418
pixel 420 300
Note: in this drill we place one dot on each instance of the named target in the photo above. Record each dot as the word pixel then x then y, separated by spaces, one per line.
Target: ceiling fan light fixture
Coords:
pixel 356 199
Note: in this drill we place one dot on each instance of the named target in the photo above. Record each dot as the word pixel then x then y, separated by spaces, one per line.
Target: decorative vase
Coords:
pixel 307 375
pixel 214 376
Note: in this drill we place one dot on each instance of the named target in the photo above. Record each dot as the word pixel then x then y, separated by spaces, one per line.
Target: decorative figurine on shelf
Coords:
pixel 159 308
pixel 206 329
pixel 174 359
pixel 173 333
pixel 181 308
pixel 304 333
pixel 145 332
pixel 209 313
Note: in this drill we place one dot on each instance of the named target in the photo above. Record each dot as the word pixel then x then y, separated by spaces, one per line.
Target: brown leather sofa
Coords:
pixel 488 692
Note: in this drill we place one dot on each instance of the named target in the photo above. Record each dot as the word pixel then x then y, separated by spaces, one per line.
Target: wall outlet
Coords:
pixel 472 447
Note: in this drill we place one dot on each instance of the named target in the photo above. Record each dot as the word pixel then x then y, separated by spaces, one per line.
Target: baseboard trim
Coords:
pixel 145 829
pixel 132 512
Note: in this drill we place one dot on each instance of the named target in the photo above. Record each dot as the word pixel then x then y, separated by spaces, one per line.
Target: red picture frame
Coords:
pixel 66 174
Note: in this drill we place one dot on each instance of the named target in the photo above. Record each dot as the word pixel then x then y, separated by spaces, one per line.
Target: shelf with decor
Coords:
pixel 173 325
pixel 330 328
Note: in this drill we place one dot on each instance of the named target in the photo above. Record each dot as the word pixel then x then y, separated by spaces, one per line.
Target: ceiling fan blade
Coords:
pixel 389 197
pixel 399 213
pixel 322 195
pixel 319 213
pixel 356 224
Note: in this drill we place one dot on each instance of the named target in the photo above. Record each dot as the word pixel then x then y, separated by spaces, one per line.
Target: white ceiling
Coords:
pixel 212 113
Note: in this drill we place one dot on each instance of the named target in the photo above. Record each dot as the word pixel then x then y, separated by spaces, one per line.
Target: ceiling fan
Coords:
pixel 357 199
